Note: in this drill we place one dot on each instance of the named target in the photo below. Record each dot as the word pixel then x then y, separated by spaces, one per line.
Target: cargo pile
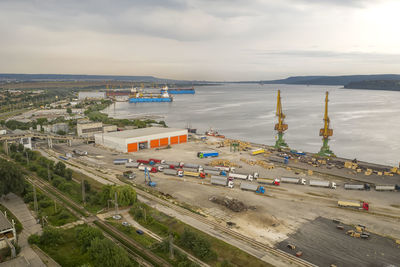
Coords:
pixel 223 162
pixel 231 203
pixel 265 164
pixel 243 146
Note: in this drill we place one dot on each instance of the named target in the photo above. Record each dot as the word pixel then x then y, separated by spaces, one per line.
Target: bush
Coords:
pixel 86 234
pixel 51 236
pixel 45 203
pixel 34 239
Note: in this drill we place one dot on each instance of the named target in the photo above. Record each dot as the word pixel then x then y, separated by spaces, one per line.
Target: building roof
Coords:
pixel 4 223
pixel 142 132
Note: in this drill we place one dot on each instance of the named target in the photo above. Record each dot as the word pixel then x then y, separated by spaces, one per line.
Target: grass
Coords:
pixel 395 206
pixel 18 224
pixel 67 254
pixel 161 224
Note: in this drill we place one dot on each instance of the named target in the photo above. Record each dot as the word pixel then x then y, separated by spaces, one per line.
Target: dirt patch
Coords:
pixel 231 203
pixel 395 206
pixel 323 244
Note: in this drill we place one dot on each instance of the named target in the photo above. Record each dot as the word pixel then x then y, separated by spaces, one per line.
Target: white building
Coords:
pixel 91 95
pixel 7 230
pixel 134 140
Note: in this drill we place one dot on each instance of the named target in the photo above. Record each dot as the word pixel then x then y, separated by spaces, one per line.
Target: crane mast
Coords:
pixel 280 127
pixel 326 132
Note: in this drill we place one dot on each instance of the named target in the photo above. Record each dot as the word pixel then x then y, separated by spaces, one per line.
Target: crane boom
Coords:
pixel 326 132
pixel 280 127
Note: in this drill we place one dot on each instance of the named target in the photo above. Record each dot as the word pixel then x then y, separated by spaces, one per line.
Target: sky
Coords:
pixel 221 40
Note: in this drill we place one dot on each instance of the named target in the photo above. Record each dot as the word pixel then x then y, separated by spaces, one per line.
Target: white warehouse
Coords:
pixel 138 139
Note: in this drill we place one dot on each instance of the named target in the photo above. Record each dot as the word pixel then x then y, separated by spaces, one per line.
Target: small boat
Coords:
pixel 211 132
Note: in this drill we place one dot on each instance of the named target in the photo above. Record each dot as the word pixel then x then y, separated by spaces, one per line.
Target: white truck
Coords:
pixel 320 183
pixel 293 180
pixel 241 176
pixel 271 181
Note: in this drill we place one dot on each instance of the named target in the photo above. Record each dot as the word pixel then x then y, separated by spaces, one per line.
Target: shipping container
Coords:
pixel 354 204
pixel 293 180
pixel 207 154
pixel 356 186
pixel 385 187
pixel 326 184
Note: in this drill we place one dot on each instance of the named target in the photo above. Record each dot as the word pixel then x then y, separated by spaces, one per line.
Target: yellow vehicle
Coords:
pixel 194 174
pixel 257 151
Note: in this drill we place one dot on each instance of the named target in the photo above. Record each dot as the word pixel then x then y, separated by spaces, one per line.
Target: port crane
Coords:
pixel 147 175
pixel 280 127
pixel 326 132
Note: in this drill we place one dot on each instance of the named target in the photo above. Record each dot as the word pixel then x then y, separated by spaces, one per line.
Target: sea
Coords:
pixel 365 123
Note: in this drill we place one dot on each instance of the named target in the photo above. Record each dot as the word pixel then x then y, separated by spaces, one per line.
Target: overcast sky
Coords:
pixel 200 39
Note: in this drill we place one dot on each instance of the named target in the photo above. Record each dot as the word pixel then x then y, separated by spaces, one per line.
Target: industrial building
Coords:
pixel 7 231
pixel 86 128
pixel 134 140
pixel 91 95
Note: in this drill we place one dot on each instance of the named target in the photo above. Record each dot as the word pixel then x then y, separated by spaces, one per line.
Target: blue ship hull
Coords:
pixel 143 100
pixel 181 92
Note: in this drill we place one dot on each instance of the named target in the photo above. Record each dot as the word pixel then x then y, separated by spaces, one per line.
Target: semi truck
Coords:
pixel 174 163
pixel 210 172
pixel 170 172
pixel 221 180
pixel 207 154
pixel 272 181
pixel 194 174
pixel 241 176
pixel 354 204
pixel 279 160
pixel 225 168
pixel 132 164
pixel 386 187
pixel 190 165
pixel 252 187
pixel 121 161
pixel 210 168
pixel 293 180
pixel 326 184
pixel 129 175
pixel 357 186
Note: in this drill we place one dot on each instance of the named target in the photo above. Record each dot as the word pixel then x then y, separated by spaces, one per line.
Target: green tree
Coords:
pixel 51 236
pixel 68 174
pixel 59 169
pixel 69 110
pixel 85 235
pixel 126 195
pixel 104 252
pixel 11 178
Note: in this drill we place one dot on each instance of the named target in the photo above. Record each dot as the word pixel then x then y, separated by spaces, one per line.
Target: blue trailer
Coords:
pixel 63 158
pixel 207 154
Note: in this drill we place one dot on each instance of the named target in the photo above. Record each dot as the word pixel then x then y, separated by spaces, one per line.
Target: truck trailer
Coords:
pixel 326 184
pixel 385 187
pixel 354 204
pixel 293 180
pixel 272 181
pixel 207 154
pixel 210 172
pixel 252 187
pixel 221 180
pixel 170 172
pixel 190 165
pixel 357 186
pixel 132 164
pixel 194 174
pixel 121 161
pixel 173 163
pixel 279 160
pixel 241 176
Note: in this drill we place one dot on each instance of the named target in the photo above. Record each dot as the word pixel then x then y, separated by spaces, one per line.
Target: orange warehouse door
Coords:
pixel 174 140
pixel 164 141
pixel 132 147
pixel 182 139
pixel 154 143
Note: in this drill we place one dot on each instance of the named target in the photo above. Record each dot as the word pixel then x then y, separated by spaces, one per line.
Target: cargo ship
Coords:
pixel 179 91
pixel 139 98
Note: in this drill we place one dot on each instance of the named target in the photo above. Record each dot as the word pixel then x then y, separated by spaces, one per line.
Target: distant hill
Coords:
pixel 74 77
pixel 392 85
pixel 333 80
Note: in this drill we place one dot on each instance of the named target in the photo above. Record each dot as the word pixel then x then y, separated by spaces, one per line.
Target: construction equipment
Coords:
pixel 148 181
pixel 326 132
pixel 280 127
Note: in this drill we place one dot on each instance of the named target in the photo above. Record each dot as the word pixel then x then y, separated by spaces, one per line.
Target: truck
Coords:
pixel 386 187
pixel 293 180
pixel 354 204
pixel 190 169
pixel 120 161
pixel 190 165
pixel 210 168
pixel 225 168
pixel 272 181
pixel 252 187
pixel 176 164
pixel 129 175
pixel 154 161
pixel 210 172
pixel 284 160
pixel 194 174
pixel 148 168
pixel 207 154
pixel 221 180
pixel 298 152
pixel 132 164
pixel 257 151
pixel 241 176
pixel 357 186
pixel 320 183
pixel 170 172
pixel 143 161
pixel 80 152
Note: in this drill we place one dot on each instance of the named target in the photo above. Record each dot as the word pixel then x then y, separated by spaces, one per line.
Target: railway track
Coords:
pixel 256 244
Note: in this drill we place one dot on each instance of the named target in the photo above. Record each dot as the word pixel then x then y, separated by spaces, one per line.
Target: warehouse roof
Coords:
pixel 4 223
pixel 142 132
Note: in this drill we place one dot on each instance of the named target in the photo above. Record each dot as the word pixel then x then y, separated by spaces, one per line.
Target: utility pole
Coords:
pixel 48 171
pixel 35 204
pixel 55 206
pixel 171 247
pixel 27 157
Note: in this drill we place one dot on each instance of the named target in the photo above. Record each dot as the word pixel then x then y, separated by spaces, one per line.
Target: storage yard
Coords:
pixel 280 199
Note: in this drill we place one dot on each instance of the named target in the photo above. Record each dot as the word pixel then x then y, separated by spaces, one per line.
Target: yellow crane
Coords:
pixel 326 132
pixel 280 127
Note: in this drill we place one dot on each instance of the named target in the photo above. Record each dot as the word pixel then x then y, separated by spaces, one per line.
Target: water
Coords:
pixel 365 123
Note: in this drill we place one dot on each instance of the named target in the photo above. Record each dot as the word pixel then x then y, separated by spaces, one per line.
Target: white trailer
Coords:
pixel 272 181
pixel 385 187
pixel 293 180
pixel 132 164
pixel 326 184
pixel 224 168
pixel 189 165
pixel 356 187
pixel 221 180
pixel 170 172
pixel 241 176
